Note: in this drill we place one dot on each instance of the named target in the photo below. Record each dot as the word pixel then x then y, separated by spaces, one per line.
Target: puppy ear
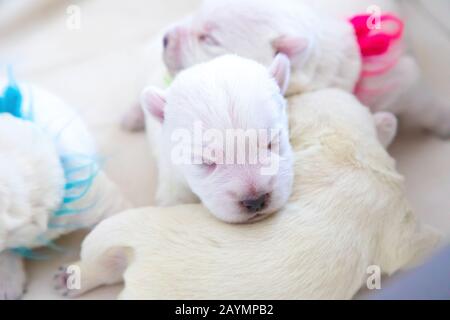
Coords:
pixel 280 70
pixel 152 102
pixel 291 46
pixel 386 124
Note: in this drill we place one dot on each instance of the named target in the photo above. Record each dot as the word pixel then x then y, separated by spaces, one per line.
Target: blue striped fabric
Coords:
pixel 79 170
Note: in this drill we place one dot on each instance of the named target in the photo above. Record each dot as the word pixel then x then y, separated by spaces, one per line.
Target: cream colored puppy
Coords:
pixel 347 211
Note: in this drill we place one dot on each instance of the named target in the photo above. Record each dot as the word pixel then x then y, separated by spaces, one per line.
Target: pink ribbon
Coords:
pixel 379 49
pixel 373 41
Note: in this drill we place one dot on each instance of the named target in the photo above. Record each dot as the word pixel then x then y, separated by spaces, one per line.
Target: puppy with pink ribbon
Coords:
pixel 353 54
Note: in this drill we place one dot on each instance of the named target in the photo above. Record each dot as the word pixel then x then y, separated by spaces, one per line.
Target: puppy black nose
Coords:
pixel 166 41
pixel 255 205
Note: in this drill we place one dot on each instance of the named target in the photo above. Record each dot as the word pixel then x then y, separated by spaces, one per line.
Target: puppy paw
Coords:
pixel 12 287
pixel 439 113
pixel 133 120
pixel 63 285
pixel 12 277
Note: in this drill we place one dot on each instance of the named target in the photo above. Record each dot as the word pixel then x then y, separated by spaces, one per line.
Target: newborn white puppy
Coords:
pixel 50 183
pixel 224 138
pixel 347 212
pixel 323 50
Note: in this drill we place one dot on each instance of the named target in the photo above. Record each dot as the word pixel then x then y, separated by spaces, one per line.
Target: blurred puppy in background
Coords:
pixel 50 180
pixel 324 51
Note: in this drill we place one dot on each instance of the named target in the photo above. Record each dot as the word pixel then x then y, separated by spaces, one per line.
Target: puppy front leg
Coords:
pixel 12 276
pixel 441 125
pixel 171 194
pixel 172 189
pixel 428 111
pixel 105 254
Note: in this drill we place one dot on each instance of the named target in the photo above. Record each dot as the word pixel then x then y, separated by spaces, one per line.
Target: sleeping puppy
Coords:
pixel 324 52
pixel 223 139
pixel 347 212
pixel 50 181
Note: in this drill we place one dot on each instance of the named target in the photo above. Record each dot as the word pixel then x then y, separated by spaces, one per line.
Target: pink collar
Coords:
pixel 376 39
pixel 380 48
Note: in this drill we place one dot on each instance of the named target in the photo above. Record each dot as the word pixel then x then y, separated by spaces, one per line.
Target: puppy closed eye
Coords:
pixel 208 39
pixel 276 144
pixel 208 165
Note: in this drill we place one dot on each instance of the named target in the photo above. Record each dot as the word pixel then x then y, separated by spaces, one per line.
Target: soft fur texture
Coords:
pixel 323 51
pixel 347 211
pixel 32 182
pixel 209 95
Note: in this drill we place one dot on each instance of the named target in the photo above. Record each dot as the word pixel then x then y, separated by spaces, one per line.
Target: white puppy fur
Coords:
pixel 212 94
pixel 347 211
pixel 226 95
pixel 32 182
pixel 323 51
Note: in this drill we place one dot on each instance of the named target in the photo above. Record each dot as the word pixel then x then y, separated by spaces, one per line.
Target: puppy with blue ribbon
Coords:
pixel 51 182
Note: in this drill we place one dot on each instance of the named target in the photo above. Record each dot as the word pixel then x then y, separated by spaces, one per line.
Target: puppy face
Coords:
pixel 225 130
pixel 248 28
